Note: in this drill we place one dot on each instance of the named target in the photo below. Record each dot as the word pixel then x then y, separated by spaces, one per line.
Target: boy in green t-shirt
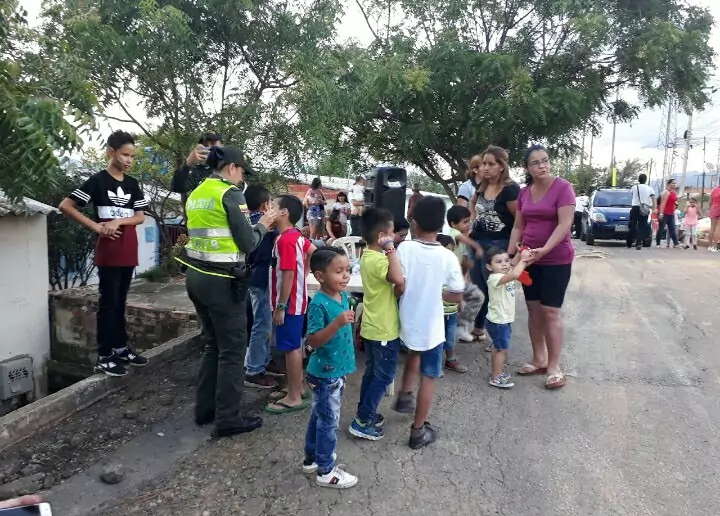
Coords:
pixel 381 275
pixel 330 335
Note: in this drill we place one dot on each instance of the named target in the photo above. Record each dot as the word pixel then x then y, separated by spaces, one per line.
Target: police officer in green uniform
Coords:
pixel 220 235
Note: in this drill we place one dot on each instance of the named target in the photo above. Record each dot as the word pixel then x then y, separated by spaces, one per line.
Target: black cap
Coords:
pixel 210 137
pixel 221 156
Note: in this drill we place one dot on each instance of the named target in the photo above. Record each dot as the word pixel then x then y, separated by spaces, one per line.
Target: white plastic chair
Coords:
pixel 348 244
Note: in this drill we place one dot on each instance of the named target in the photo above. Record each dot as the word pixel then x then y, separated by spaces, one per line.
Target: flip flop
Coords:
pixel 530 370
pixel 555 381
pixel 286 409
pixel 278 395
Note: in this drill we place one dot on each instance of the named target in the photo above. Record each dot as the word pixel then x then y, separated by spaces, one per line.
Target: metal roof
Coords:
pixel 28 207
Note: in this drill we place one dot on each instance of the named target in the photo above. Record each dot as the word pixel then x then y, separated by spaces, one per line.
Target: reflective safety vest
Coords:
pixel 208 226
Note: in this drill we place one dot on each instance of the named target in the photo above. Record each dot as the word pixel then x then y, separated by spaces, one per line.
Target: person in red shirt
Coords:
pixel 289 298
pixel 666 213
pixel 119 206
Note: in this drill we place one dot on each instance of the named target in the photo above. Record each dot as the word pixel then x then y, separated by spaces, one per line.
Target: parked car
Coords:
pixel 607 216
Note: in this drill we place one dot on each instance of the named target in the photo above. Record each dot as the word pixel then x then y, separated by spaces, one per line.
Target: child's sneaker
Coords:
pixel 310 466
pixel 366 430
pixel 421 437
pixel 454 365
pixel 503 381
pixel 378 421
pixel 695 247
pixel 128 356
pixel 405 403
pixel 464 336
pixel 337 479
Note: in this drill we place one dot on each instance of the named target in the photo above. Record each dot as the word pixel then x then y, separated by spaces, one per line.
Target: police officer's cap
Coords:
pixel 221 156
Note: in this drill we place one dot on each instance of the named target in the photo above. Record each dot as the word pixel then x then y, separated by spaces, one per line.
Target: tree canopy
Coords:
pixel 444 78
pixel 198 66
pixel 45 102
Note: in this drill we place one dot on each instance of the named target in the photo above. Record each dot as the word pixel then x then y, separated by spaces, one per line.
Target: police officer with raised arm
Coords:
pixel 220 236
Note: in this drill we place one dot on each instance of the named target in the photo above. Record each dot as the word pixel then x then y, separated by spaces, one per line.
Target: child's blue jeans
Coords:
pixel 257 356
pixel 381 361
pixel 321 436
pixel 451 321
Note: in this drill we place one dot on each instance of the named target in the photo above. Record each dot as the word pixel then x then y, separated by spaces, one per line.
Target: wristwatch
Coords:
pixel 281 306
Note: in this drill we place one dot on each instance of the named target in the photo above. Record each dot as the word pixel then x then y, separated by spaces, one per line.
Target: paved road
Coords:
pixel 635 432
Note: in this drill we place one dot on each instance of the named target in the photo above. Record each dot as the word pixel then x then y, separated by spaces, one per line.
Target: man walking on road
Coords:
pixel 666 214
pixel 643 203
pixel 580 202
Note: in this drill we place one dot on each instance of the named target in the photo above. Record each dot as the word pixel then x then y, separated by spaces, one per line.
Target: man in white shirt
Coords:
pixel 643 203
pixel 580 203
pixel 356 196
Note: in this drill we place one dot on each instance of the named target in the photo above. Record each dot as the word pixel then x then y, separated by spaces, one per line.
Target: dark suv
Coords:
pixel 607 216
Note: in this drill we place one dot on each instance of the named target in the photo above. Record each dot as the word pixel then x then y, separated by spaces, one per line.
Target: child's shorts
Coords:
pixel 431 361
pixel 288 336
pixel 500 334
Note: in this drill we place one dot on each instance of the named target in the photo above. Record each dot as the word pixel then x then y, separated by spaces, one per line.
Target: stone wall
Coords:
pixel 73 327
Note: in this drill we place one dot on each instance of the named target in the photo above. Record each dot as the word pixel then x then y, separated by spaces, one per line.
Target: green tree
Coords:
pixel 45 104
pixel 627 174
pixel 444 78
pixel 586 178
pixel 194 66
pixel 70 246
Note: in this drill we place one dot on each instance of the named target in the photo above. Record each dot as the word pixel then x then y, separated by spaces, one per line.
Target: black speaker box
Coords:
pixel 386 187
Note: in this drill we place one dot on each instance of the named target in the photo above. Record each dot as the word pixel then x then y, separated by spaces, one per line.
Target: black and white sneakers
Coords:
pixel 128 357
pixel 111 366
pixel 116 364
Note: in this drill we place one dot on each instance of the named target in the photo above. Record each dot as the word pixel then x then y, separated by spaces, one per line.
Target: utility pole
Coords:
pixel 688 135
pixel 650 165
pixel 592 141
pixel 667 141
pixel 612 149
pixel 582 152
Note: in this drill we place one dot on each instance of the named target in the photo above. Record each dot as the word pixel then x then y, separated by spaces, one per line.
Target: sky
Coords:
pixel 638 139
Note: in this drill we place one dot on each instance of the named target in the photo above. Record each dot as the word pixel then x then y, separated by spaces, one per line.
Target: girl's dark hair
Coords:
pixel 322 257
pixel 316 183
pixel 334 215
pixel 526 159
pixel 341 194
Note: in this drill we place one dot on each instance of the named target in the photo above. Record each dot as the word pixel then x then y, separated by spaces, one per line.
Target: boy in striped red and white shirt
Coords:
pixel 289 298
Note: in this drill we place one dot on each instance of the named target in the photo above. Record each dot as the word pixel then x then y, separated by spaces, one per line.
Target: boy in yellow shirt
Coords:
pixel 501 308
pixel 381 274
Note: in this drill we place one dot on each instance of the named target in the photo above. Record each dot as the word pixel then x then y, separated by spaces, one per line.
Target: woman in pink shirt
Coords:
pixel 714 235
pixel 545 209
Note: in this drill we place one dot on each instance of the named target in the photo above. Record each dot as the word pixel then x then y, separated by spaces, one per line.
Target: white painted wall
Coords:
pixel 24 317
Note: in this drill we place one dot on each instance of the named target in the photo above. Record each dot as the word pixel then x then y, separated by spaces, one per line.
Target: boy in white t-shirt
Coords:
pixel 427 268
pixel 501 308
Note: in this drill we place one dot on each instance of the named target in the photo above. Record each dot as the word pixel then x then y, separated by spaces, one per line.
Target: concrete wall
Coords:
pixel 24 292
pixel 74 333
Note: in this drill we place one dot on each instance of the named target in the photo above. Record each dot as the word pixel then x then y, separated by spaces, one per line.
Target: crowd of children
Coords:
pixel 416 297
